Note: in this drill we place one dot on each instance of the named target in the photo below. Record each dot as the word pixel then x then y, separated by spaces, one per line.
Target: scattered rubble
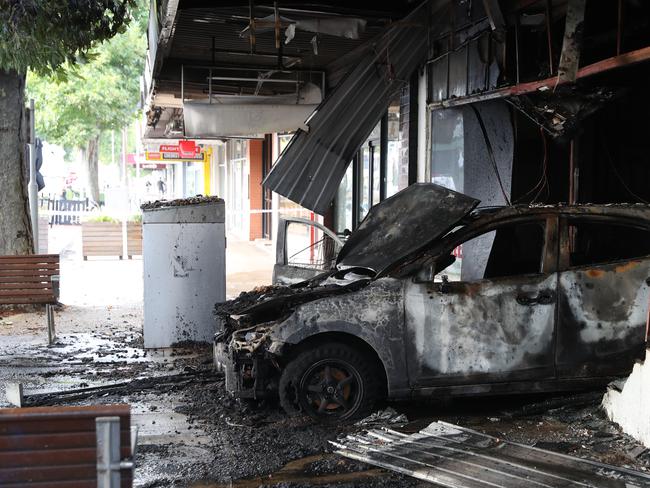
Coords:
pixel 388 416
pixel 192 430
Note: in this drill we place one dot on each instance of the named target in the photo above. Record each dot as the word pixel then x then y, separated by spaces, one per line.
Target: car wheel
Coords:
pixel 330 382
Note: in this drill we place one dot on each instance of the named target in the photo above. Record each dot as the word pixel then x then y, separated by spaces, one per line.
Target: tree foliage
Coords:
pixel 98 95
pixel 43 35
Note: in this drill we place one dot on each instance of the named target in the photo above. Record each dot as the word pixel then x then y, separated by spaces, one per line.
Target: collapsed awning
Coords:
pixel 310 169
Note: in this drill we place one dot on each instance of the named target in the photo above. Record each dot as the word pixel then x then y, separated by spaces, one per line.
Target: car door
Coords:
pixel 603 296
pixel 305 249
pixel 499 325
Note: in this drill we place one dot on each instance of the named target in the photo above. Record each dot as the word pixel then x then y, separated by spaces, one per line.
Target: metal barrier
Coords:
pixel 63 211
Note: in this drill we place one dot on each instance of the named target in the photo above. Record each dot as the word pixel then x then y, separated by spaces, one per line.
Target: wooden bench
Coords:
pixel 66 447
pixel 28 279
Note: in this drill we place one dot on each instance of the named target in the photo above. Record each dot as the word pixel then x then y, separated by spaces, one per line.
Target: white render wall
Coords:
pixel 629 407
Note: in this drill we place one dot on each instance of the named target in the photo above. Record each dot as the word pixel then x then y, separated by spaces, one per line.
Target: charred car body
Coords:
pixel 433 297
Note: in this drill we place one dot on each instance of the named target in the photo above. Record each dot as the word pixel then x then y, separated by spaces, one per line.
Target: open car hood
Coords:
pixel 403 225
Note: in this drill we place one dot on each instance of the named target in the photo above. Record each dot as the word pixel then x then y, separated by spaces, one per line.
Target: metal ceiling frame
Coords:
pixel 260 80
pixel 310 169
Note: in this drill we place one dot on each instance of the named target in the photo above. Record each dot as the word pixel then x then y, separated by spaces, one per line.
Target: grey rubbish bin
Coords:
pixel 184 253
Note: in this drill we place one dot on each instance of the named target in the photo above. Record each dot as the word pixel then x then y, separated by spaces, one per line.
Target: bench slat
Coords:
pixel 54 456
pixel 45 258
pixel 55 447
pixel 18 273
pixel 25 279
pixel 48 473
pixel 43 441
pixel 90 483
pixel 26 285
pixel 28 266
pixel 27 300
pixel 21 293
pixel 9 415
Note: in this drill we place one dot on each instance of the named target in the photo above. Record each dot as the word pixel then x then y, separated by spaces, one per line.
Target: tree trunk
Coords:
pixel 15 224
pixel 91 156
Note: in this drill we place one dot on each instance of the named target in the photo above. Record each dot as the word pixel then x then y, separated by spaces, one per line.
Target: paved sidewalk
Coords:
pixel 102 281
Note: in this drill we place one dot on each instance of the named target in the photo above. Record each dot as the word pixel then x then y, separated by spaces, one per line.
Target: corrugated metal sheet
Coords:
pixel 456 457
pixel 310 169
pixel 56 446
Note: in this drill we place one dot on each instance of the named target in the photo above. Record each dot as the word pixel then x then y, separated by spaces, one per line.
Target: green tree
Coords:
pixel 95 97
pixel 41 35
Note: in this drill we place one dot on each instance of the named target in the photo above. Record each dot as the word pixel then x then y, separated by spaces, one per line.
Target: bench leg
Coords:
pixel 108 452
pixel 109 462
pixel 51 333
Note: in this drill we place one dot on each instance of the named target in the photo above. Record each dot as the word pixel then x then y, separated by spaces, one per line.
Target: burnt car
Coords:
pixel 432 296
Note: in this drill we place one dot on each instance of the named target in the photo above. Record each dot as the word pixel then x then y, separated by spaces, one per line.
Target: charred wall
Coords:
pixel 603 159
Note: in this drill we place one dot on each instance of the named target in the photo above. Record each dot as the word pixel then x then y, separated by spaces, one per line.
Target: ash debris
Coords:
pixel 247 299
pixel 204 434
pixel 271 303
pixel 181 202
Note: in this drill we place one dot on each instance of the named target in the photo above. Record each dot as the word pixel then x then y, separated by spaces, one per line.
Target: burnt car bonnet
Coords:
pixel 403 225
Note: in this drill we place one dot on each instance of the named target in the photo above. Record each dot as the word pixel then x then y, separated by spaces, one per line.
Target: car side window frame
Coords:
pixel 549 261
pixel 282 256
pixel 565 248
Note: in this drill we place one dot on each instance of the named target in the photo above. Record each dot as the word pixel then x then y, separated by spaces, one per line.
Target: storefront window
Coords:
pixel 369 172
pixel 447 164
pixel 343 217
pixel 238 194
pixel 362 188
pixel 396 171
pixel 447 149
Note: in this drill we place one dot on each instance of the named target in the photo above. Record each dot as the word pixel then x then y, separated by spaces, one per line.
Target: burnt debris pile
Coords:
pixel 180 202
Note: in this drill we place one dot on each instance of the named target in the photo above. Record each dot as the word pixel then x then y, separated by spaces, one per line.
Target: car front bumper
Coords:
pixel 246 375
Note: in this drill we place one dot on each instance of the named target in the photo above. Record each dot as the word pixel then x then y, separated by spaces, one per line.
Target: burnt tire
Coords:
pixel 330 382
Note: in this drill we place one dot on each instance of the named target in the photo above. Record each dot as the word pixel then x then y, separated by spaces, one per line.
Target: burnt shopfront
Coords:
pixel 508 101
pixel 513 102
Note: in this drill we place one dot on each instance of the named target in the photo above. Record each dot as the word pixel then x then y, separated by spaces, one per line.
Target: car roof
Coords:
pixel 639 211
